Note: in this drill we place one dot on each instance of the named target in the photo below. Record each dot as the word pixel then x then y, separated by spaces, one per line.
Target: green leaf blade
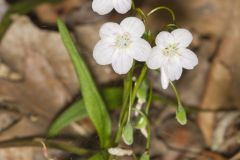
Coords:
pixel 145 156
pixel 76 111
pixel 94 104
pixel 102 155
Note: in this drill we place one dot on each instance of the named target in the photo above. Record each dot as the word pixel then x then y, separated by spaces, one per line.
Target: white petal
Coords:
pixel 183 37
pixel 109 29
pixel 140 50
pixel 188 59
pixel 164 79
pixel 121 62
pixel 173 69
pixel 156 58
pixel 120 152
pixel 134 26
pixel 103 52
pixel 102 7
pixel 122 6
pixel 164 38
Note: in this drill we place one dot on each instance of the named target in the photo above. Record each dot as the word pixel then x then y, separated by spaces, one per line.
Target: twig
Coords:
pixel 49 143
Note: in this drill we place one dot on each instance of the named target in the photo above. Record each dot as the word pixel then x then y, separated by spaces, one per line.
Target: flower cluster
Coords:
pixel 121 44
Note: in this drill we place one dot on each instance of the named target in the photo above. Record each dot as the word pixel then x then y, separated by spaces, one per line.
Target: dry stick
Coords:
pixel 49 143
pixel 45 150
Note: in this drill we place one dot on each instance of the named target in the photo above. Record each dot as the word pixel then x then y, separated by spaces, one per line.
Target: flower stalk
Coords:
pixel 122 45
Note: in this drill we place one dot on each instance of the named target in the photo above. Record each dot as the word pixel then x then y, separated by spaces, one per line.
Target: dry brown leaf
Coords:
pixel 48 13
pixel 210 155
pixel 222 89
pixel 49 81
pixel 27 153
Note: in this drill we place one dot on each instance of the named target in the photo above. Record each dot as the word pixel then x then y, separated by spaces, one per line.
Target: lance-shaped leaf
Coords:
pixel 102 155
pixel 77 110
pixel 93 102
pixel 145 156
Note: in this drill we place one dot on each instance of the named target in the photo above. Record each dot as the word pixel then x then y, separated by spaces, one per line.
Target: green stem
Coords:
pixel 126 92
pixel 163 8
pixel 149 101
pixel 143 16
pixel 139 82
pixel 148 138
pixel 176 93
pixel 130 105
pixel 124 117
pixel 133 5
pixel 193 109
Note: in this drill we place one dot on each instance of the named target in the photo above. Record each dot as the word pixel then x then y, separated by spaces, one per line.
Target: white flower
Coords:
pixel 3 8
pixel 120 44
pixel 103 7
pixel 171 55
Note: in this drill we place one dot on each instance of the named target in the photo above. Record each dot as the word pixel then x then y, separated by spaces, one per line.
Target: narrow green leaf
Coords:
pixel 103 155
pixel 145 156
pixel 181 115
pixel 127 134
pixel 93 102
pixel 77 111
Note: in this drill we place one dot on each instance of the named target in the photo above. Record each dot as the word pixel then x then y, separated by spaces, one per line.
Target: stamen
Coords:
pixel 123 41
pixel 171 50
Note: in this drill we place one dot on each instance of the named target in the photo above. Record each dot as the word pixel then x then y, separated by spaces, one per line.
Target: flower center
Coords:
pixel 170 50
pixel 123 40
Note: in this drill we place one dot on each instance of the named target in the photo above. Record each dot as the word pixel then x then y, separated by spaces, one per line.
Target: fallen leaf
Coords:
pixel 48 77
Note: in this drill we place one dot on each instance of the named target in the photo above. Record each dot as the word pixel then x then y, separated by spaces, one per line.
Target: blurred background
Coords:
pixel 37 79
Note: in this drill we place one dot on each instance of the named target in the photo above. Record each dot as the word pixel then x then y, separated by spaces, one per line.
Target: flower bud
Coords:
pixel 181 115
pixel 127 134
